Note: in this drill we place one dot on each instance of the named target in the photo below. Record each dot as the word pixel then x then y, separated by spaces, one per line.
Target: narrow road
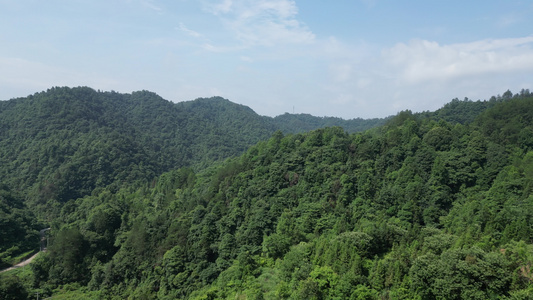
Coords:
pixel 44 245
pixel 21 264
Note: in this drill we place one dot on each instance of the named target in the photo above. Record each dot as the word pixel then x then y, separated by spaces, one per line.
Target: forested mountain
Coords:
pixel 427 205
pixel 62 144
pixel 18 227
pixel 419 208
pixel 299 123
pixel 466 111
pixel 457 111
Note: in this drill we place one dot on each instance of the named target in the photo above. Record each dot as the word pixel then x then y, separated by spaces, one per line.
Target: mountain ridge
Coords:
pixel 323 214
pixel 53 138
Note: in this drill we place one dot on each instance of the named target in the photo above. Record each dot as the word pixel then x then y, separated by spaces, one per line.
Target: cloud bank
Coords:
pixel 420 61
pixel 424 75
pixel 261 22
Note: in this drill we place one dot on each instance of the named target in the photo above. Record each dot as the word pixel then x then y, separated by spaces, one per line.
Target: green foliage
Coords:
pixel 509 122
pixel 61 144
pixel 11 288
pixel 64 143
pixel 19 228
pixel 463 111
pixel 419 208
pixel 299 123
pixel 67 255
pixel 461 274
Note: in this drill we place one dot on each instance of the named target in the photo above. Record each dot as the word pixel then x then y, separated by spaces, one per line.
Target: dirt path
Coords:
pixel 44 244
pixel 21 264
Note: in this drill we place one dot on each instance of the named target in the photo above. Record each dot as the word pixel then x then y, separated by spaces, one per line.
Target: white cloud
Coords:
pixel 419 75
pixel 150 4
pixel 219 8
pixel 422 61
pixel 188 31
pixel 262 22
pixel 341 72
pixel 209 46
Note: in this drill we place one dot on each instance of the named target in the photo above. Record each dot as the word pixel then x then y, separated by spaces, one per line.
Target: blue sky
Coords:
pixel 358 58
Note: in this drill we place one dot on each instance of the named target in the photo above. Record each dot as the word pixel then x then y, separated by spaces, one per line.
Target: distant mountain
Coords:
pixel 464 111
pixel 141 204
pixel 299 123
pixel 63 143
pixel 419 208
pixel 457 111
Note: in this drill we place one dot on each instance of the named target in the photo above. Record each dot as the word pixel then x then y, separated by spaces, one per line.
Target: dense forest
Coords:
pixel 299 123
pixel 433 205
pixel 63 143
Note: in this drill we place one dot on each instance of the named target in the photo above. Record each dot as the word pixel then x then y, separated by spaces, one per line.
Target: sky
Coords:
pixel 341 58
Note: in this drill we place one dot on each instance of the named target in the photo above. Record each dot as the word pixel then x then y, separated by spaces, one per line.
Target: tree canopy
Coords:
pixel 421 207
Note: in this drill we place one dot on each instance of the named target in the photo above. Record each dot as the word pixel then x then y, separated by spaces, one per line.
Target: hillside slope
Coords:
pixel 300 123
pixel 67 143
pixel 415 209
pixel 63 143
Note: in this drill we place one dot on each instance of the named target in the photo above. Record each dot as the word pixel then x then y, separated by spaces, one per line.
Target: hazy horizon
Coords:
pixel 348 59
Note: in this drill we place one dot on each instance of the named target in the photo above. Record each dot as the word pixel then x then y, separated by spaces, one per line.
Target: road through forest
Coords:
pixel 44 245
pixel 21 264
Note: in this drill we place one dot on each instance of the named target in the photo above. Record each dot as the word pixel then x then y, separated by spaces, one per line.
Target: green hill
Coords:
pixel 424 206
pixel 299 123
pixel 414 209
pixel 63 143
pixel 66 143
